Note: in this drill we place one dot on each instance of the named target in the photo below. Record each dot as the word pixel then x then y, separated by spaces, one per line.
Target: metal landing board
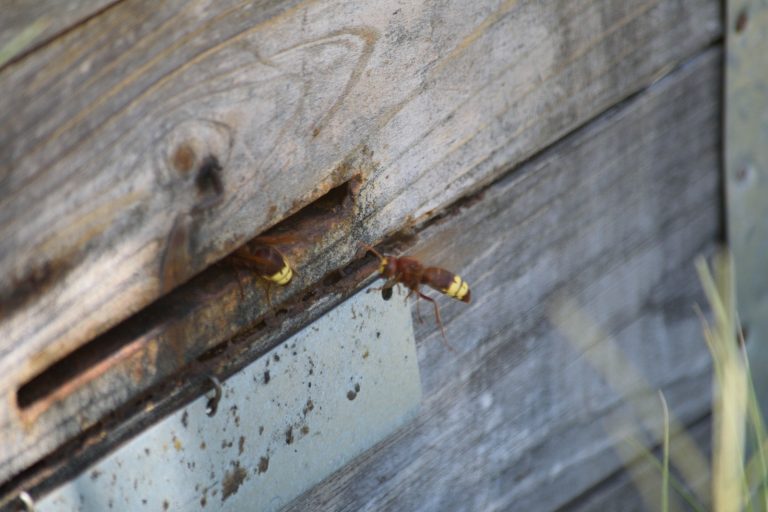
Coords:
pixel 285 422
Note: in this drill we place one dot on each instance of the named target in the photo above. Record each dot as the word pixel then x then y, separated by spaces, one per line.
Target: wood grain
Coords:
pixel 25 25
pixel 93 172
pixel 105 137
pixel 579 217
pixel 613 215
pixel 619 492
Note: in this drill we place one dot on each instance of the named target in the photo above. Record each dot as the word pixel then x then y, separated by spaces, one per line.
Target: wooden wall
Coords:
pixel 613 215
pixel 539 148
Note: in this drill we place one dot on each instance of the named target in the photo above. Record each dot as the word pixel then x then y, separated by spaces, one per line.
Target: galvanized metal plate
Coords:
pixel 746 166
pixel 283 424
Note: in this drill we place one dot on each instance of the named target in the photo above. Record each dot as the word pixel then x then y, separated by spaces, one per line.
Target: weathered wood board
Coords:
pixel 103 148
pixel 102 142
pixel 613 215
pixel 620 492
pixel 25 25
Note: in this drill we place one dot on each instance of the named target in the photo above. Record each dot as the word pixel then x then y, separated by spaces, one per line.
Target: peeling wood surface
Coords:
pixel 612 215
pixel 101 160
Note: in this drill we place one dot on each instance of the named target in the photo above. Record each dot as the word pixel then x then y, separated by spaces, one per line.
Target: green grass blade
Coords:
pixel 676 485
pixel 665 455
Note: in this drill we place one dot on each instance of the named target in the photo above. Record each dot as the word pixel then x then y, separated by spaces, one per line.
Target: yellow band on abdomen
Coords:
pixel 458 288
pixel 283 277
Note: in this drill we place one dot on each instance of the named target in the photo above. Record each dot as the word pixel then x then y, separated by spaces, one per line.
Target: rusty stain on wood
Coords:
pixel 186 323
pixel 291 100
pixel 252 137
pixel 523 198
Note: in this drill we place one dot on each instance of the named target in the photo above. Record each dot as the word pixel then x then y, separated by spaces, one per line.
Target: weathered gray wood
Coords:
pixel 25 24
pixel 619 492
pixel 98 156
pixel 614 215
pixel 537 198
pixel 746 175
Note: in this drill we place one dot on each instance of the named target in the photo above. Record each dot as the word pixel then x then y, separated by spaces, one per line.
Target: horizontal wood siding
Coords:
pixel 26 25
pixel 536 147
pixel 613 216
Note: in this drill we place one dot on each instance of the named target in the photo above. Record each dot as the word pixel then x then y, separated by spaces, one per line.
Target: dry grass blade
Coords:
pixel 602 352
pixel 735 486
pixel 665 454
pixel 640 449
pixel 9 50
pixel 729 409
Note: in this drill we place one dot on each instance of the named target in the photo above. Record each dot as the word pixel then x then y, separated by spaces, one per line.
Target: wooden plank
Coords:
pixel 200 320
pixel 615 215
pixel 97 170
pixel 620 492
pixel 746 172
pixel 563 183
pixel 25 25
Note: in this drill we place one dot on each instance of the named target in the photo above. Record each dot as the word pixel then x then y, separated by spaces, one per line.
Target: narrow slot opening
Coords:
pixel 99 355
